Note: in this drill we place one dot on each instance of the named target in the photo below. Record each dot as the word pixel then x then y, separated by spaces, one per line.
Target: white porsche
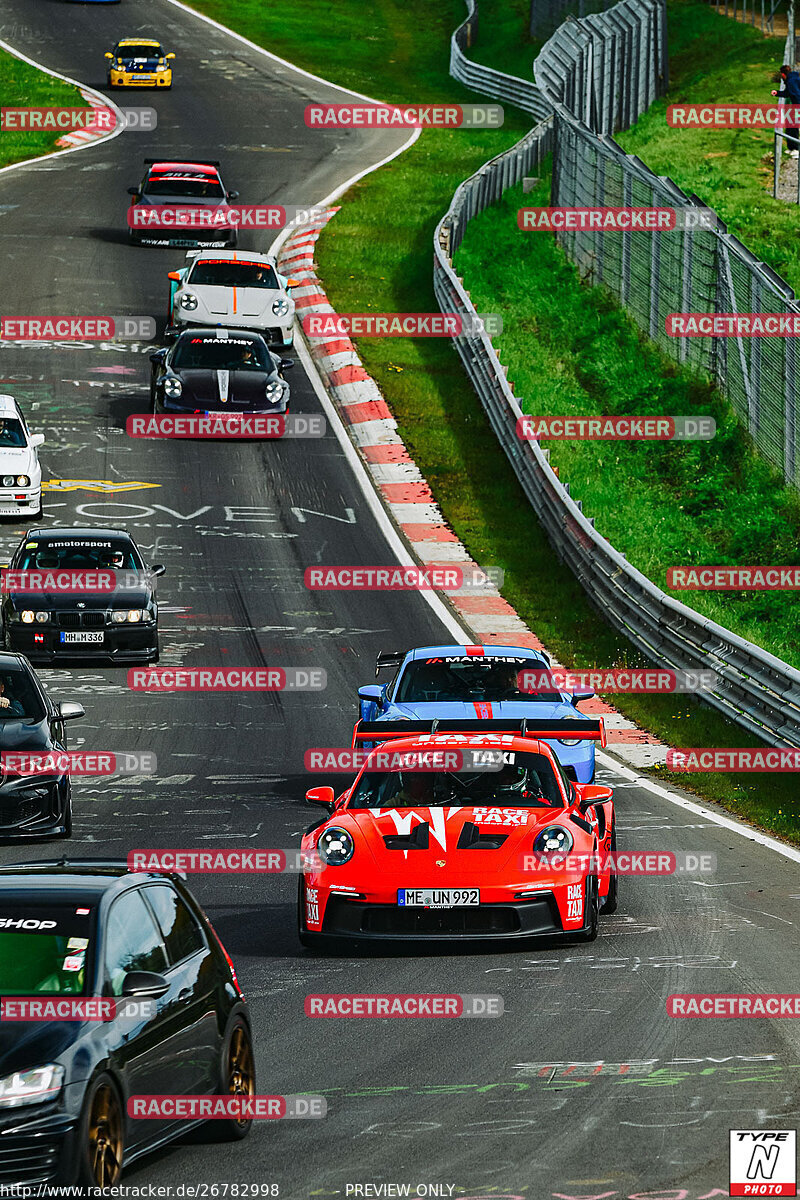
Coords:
pixel 233 289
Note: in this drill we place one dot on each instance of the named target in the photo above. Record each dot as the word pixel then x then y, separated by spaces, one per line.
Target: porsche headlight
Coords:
pixel 273 391
pixel 555 839
pixel 570 741
pixel 31 1087
pixel 281 306
pixel 172 387
pixel 188 301
pixel 335 847
pixel 162 66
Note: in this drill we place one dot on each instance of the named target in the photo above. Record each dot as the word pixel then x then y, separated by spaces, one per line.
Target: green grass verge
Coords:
pixel 376 254
pixel 22 85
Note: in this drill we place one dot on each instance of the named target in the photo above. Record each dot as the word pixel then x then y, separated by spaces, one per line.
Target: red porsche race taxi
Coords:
pixel 467 835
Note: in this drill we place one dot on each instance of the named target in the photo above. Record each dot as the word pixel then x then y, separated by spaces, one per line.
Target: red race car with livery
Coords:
pixel 463 831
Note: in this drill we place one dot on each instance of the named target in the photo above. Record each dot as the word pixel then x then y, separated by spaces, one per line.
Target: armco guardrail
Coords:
pixel 486 81
pixel 599 74
pixel 756 690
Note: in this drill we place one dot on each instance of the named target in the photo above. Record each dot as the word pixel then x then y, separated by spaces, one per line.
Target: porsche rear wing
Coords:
pixel 389 658
pixel 569 728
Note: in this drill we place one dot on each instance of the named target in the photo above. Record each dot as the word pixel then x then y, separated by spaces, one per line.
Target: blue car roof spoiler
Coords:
pixel 389 658
pixel 580 729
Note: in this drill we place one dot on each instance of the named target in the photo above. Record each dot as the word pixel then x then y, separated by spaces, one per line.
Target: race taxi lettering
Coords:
pixel 501 816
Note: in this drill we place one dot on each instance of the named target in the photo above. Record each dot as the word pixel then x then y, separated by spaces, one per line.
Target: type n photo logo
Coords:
pixel 763 1162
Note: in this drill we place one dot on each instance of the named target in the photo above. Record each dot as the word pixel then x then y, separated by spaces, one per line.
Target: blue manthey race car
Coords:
pixel 476 683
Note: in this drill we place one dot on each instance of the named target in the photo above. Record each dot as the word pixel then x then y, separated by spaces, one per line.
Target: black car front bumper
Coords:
pixel 37 1146
pixel 34 807
pixel 120 643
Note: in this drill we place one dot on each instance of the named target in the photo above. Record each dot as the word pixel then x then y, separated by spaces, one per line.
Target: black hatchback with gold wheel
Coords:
pixel 113 985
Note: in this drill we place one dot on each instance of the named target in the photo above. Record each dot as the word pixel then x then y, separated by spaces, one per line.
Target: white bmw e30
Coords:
pixel 20 472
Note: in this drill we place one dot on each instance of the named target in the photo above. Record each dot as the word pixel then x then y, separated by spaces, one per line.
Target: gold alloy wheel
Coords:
pixel 105 1136
pixel 240 1074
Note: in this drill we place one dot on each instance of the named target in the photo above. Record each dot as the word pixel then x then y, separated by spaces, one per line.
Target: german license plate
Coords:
pixel 83 636
pixel 438 897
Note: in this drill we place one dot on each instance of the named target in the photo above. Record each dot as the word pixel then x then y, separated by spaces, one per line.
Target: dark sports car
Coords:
pixel 92 930
pixel 218 370
pixel 170 185
pixel 111 626
pixel 32 806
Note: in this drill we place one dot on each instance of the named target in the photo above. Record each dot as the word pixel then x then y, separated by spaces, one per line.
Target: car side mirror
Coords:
pixel 108 54
pixel 157 356
pixel 373 691
pixel 146 985
pixel 578 696
pixel 37 439
pixel 70 710
pixel 133 191
pixel 170 55
pixel 321 795
pixel 158 569
pixel 286 363
pixel 591 794
pixel 292 283
pixel 233 195
pixel 176 275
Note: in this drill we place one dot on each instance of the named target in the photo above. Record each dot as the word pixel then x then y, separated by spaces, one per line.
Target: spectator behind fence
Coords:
pixel 791 90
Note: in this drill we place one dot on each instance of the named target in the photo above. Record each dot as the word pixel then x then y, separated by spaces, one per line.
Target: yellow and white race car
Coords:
pixel 139 62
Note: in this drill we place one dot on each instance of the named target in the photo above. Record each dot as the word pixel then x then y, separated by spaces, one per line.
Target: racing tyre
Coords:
pixel 237 1078
pixel 305 940
pixel 610 902
pixel 590 930
pixel 101 1134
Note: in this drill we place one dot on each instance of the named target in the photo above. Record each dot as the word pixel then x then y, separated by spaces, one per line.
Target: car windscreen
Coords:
pixel 68 554
pixel 12 435
pixel 488 679
pixel 218 273
pixel 140 52
pixel 44 949
pixel 221 354
pixel 195 186
pixel 523 781
pixel 24 701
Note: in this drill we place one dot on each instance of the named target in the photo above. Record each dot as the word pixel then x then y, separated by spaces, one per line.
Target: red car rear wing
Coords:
pixel 577 728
